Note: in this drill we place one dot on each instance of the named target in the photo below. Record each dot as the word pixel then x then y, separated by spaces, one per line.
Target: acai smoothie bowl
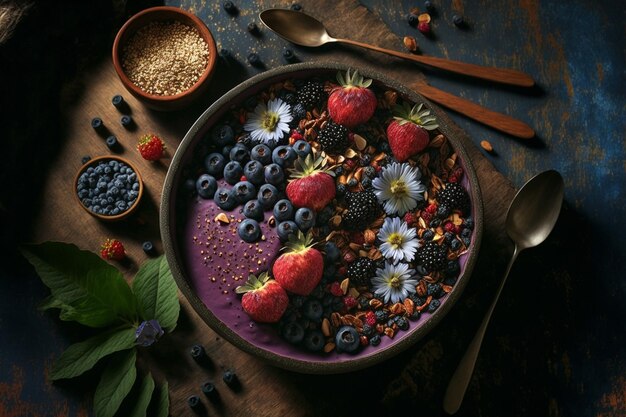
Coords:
pixel 321 217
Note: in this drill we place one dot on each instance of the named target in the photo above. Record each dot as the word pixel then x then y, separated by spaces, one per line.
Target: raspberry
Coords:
pixel 296 136
pixel 432 208
pixel 112 249
pixel 410 218
pixel 335 289
pixel 426 216
pixel 453 178
pixel 449 227
pixel 349 301
pixel 151 147
pixel 370 318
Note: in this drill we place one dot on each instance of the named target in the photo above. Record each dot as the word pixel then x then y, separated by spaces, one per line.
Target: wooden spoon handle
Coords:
pixel 493 119
pixel 500 75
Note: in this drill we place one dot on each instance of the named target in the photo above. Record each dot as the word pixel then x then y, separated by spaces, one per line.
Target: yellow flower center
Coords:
pixel 395 240
pixel 398 188
pixel 270 120
pixel 395 282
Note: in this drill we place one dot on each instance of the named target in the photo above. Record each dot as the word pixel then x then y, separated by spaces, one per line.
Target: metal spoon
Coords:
pixel 529 220
pixel 304 30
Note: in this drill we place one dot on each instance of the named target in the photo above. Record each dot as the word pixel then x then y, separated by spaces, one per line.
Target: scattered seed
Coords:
pixel 486 146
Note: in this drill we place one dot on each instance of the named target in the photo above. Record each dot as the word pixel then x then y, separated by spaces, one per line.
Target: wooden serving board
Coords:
pixel 416 379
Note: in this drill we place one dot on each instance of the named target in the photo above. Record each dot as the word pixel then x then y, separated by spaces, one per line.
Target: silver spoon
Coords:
pixel 529 220
pixel 304 30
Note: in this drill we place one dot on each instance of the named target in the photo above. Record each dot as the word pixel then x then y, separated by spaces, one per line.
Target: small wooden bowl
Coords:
pixel 116 217
pixel 161 14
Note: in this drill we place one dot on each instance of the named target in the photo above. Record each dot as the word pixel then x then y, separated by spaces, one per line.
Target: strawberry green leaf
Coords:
pixel 157 293
pixel 163 401
pixel 81 357
pixel 115 384
pixel 86 288
pixel 145 394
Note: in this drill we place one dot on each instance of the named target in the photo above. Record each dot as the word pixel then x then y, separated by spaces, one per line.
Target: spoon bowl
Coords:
pixel 529 220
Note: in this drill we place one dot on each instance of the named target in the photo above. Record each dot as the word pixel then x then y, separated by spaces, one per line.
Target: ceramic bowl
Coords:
pixel 216 302
pixel 164 14
pixel 112 217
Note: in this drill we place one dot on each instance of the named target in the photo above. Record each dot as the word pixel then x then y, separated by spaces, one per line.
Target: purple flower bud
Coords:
pixel 148 332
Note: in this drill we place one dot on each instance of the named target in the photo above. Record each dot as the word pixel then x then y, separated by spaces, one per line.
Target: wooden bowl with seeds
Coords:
pixel 209 257
pixel 165 57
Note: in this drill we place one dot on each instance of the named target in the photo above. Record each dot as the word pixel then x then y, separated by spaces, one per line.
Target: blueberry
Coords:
pixel 428 6
pixel 239 153
pixel 244 191
pixel 288 55
pixel 214 164
pixel 332 252
pixel 254 172
pixel 284 155
pixel 253 28
pixel 254 59
pixel 274 174
pixel 434 290
pixel 233 172
pixel 85 159
pixel 457 20
pixel 230 378
pixel 455 244
pixel 194 402
pixel 206 186
pixel 375 340
pixel 314 340
pixel 366 182
pixel 296 6
pixel 469 223
pixel 312 309
pixel 226 151
pixel 261 153
pixel 466 233
pixel 249 230
pixel 305 218
pixel 223 135
pixel 293 332
pixel 97 124
pixel 112 143
pixel 370 171
pixel 198 353
pixel 126 121
pixel 347 339
pixel 225 54
pixel 283 210
pixel 253 210
pixel 412 19
pixel 267 196
pixel 302 148
pixel 148 248
pixel 208 389
pixel 353 182
pixel 466 241
pixel 225 198
pixel 229 7
pixel 428 234
pixel 284 229
pixel 118 101
pixel 434 305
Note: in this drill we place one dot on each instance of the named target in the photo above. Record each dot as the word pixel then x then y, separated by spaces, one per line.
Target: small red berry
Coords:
pixel 423 27
pixel 453 178
pixel 112 249
pixel 349 301
pixel 432 208
pixel 342 271
pixel 370 318
pixel 426 216
pixel 449 227
pixel 409 218
pixel 296 136
pixel 350 164
pixel 243 178
pixel 357 237
pixel 151 147
pixel 335 289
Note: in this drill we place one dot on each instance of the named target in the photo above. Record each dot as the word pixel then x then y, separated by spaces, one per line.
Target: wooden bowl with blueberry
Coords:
pixel 325 231
pixel 109 188
pixel 165 57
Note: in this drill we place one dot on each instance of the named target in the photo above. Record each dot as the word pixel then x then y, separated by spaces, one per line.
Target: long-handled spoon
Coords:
pixel 529 220
pixel 304 30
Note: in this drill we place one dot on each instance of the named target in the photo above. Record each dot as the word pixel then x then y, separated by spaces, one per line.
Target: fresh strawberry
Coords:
pixel 352 103
pixel 112 249
pixel 151 147
pixel 264 300
pixel 300 268
pixel 408 132
pixel 310 185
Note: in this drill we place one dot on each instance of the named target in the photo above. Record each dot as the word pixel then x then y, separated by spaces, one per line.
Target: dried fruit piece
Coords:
pixel 410 43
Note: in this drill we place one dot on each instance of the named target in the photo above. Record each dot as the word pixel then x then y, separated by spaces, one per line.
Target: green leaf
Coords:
pixel 163 401
pixel 51 302
pixel 95 290
pixel 81 357
pixel 145 394
pixel 115 384
pixel 156 293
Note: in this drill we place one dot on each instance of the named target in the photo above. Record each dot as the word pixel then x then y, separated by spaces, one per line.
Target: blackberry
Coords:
pixel 363 209
pixel 366 182
pixel 361 270
pixel 443 211
pixel 333 138
pixel 381 316
pixel 428 234
pixel 434 305
pixel 287 96
pixel 454 196
pixel 369 171
pixel 311 94
pixel 365 160
pixel 432 256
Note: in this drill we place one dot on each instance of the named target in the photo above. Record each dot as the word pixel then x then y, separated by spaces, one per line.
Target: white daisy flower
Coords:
pixel 269 122
pixel 394 282
pixel 399 188
pixel 399 240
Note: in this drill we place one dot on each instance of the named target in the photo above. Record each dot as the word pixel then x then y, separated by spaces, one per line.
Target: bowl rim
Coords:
pixel 293 364
pixel 198 24
pixel 115 217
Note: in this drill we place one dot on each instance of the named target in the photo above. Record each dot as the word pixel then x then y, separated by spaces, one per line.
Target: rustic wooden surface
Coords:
pixel 555 345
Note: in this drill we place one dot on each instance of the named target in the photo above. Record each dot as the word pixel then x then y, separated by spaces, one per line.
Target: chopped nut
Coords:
pixel 375 303
pixel 353 292
pixel 360 142
pixel 436 142
pixel 409 306
pixel 389 332
pixel 344 285
pixel 329 347
pixel 397 309
pixel 335 221
pixel 222 218
pixel 350 153
pixel 369 236
pixel 335 319
pixel 410 43
pixel 326 327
